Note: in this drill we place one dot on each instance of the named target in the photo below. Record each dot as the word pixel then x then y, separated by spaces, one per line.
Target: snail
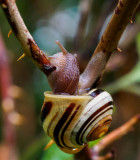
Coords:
pixel 71 119
pixel 66 76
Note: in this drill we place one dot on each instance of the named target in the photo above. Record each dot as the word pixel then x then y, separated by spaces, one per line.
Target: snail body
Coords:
pixel 66 76
pixel 74 120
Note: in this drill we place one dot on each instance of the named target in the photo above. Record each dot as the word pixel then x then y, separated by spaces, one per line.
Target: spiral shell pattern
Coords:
pixel 72 121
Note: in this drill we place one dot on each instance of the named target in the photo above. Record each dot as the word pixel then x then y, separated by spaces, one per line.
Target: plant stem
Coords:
pixel 108 44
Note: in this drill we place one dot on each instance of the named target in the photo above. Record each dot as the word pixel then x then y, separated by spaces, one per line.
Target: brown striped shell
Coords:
pixel 72 121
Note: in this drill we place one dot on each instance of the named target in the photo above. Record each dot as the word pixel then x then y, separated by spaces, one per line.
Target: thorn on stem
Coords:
pixel 119 50
pixel 22 56
pixel 131 21
pixel 4 5
pixel 61 47
pixel 49 144
pixel 10 32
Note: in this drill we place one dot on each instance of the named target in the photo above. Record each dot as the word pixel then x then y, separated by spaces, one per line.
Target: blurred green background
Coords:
pixel 48 21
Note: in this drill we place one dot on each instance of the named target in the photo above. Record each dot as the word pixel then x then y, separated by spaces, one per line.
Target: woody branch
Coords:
pixel 116 134
pixel 85 7
pixel 26 40
pixel 109 41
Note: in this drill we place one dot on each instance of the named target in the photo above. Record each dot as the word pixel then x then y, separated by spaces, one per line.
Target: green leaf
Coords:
pixel 93 143
pixel 54 153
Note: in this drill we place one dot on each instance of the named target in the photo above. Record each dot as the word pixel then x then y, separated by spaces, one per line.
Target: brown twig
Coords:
pixel 85 6
pixel 116 134
pixel 94 35
pixel 108 44
pixel 127 39
pixel 86 153
pixel 21 32
pixel 108 156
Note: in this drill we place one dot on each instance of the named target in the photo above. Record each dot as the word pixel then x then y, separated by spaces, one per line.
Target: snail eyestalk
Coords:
pixel 61 47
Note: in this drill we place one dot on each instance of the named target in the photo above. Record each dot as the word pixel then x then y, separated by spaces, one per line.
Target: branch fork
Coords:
pixel 121 17
pixel 107 45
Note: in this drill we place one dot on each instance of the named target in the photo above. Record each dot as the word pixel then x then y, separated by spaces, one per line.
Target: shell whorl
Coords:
pixel 72 121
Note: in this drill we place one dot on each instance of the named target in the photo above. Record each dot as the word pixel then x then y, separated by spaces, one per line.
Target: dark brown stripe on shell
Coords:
pixel 92 122
pixel 52 120
pixel 89 119
pixel 45 110
pixel 96 92
pixel 66 126
pixel 109 120
pixel 61 122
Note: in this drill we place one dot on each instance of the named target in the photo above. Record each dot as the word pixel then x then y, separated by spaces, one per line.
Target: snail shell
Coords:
pixel 72 121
